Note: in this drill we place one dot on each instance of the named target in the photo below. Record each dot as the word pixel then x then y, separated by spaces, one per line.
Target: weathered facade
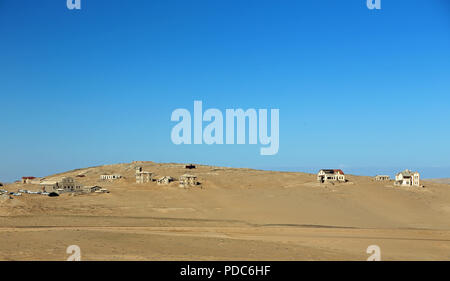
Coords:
pixel 66 184
pixel 382 178
pixel 164 180
pixel 330 175
pixel 49 185
pixel 188 180
pixel 407 178
pixel 110 177
pixel 91 188
pixel 143 176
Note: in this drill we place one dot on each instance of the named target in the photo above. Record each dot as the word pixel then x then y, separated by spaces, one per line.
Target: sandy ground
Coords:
pixel 236 214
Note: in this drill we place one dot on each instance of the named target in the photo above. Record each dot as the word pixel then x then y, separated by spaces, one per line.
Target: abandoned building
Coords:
pixel 143 176
pixel 110 177
pixel 407 178
pixel 330 175
pixel 27 179
pixel 164 180
pixel 49 185
pixel 188 180
pixel 91 188
pixel 66 184
pixel 382 178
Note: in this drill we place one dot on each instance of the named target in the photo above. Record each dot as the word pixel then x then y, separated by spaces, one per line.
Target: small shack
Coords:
pixel 382 178
pixel 91 188
pixel 164 180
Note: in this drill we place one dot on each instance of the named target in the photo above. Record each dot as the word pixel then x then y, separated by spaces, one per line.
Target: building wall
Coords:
pixel 110 177
pixel 382 178
pixel 144 177
pixel 49 187
pixel 414 180
pixel 329 177
pixel 67 184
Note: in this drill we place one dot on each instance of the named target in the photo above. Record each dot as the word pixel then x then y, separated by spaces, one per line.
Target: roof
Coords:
pixel 333 171
pixel 165 177
pixel 188 176
pixel 28 178
pixel 48 182
pixel 406 173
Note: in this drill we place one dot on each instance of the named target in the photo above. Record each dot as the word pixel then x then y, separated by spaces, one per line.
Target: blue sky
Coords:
pixel 363 90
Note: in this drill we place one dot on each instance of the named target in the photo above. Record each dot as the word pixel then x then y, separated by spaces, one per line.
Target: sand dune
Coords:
pixel 241 214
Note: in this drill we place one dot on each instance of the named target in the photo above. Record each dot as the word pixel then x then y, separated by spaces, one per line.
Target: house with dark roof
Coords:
pixel 330 175
pixel 27 179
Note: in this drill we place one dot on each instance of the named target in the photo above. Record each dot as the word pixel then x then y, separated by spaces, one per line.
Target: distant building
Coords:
pixel 190 166
pixel 66 184
pixel 27 179
pixel 49 185
pixel 143 176
pixel 164 180
pixel 188 180
pixel 333 175
pixel 407 178
pixel 110 177
pixel 382 178
pixel 91 188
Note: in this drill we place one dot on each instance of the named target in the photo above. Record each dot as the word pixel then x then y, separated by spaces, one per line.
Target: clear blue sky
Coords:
pixel 363 90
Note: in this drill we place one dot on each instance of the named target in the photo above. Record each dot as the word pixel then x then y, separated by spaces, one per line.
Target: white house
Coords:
pixel 325 175
pixel 110 177
pixel 407 178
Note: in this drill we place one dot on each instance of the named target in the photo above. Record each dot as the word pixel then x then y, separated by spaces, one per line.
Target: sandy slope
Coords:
pixel 237 214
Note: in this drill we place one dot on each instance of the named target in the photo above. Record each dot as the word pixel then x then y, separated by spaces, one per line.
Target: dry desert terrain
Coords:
pixel 236 214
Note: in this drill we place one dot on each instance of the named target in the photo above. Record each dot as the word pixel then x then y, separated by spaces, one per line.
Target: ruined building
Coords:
pixel 143 176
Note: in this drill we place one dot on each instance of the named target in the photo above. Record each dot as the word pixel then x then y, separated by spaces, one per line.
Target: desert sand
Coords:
pixel 235 214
